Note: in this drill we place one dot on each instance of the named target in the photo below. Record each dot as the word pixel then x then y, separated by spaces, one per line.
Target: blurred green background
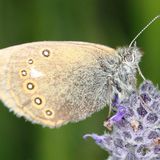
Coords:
pixel 109 22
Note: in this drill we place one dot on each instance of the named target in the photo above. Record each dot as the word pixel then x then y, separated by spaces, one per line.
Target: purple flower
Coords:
pixel 135 126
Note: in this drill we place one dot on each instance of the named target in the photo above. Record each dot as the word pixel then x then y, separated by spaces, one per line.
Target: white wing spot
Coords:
pixel 46 53
pixel 24 72
pixel 49 113
pixel 30 61
pixel 38 101
pixel 30 86
pixel 35 74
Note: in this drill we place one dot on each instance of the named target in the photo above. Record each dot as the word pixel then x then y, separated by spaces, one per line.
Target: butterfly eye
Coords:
pixel 129 58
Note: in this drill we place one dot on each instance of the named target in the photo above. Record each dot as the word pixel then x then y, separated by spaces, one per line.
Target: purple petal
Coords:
pixel 115 100
pixel 119 115
pixel 97 138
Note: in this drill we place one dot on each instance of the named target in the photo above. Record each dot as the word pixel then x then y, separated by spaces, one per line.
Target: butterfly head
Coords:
pixel 125 75
pixel 130 56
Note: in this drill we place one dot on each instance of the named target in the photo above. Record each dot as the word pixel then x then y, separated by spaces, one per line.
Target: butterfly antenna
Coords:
pixel 153 20
pixel 134 41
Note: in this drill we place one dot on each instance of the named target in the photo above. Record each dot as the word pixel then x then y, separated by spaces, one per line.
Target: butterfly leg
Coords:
pixel 110 91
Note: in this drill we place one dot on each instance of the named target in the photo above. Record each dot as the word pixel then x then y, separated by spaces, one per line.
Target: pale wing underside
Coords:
pixel 52 83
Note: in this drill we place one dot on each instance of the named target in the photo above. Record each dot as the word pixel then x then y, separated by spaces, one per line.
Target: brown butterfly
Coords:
pixel 53 83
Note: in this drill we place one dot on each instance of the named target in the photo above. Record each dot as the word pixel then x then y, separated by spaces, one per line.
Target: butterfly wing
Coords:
pixel 53 83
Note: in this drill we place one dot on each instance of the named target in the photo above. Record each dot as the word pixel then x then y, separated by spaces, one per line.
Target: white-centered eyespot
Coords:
pixel 30 61
pixel 24 73
pixel 49 113
pixel 38 101
pixel 29 86
pixel 46 53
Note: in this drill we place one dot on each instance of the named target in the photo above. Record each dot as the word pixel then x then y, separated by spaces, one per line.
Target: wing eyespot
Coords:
pixel 30 61
pixel 38 101
pixel 49 113
pixel 23 73
pixel 29 86
pixel 46 53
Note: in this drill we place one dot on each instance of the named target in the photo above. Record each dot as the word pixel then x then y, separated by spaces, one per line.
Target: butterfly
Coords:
pixel 55 82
